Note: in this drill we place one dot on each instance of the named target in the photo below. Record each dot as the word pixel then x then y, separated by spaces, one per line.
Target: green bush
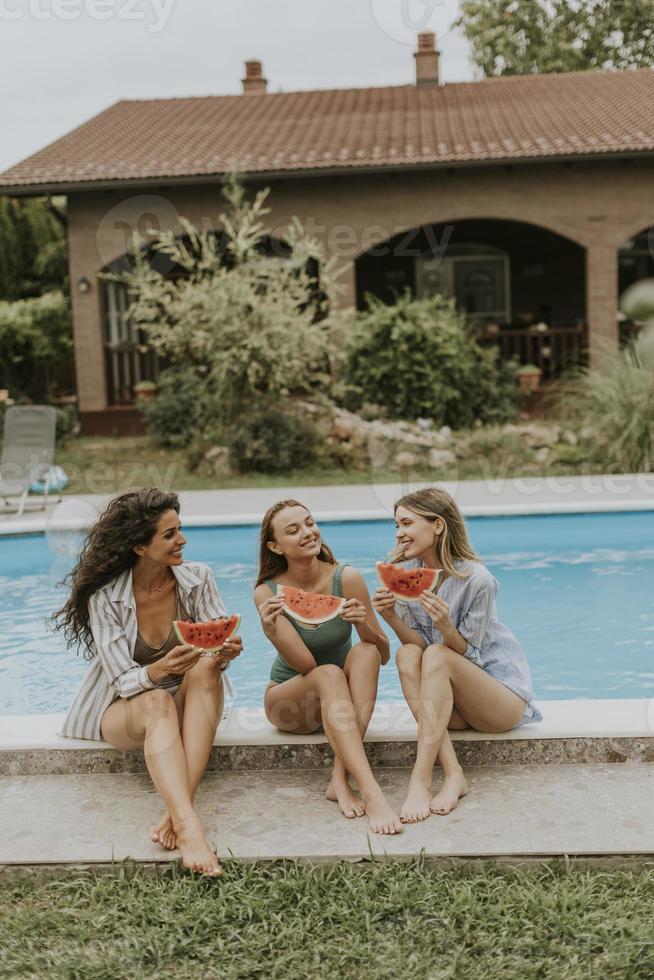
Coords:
pixel 419 358
pixel 617 404
pixel 175 417
pixel 67 423
pixel 268 441
pixel 36 337
pixel 256 326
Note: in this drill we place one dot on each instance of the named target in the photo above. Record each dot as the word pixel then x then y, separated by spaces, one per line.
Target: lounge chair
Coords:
pixel 27 451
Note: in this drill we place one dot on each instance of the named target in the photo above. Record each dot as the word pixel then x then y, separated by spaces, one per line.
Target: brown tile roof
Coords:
pixel 513 118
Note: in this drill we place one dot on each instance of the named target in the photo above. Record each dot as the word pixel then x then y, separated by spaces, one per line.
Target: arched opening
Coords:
pixel 635 262
pixel 128 357
pixel 522 285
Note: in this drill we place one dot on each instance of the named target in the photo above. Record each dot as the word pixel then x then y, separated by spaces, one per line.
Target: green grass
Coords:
pixel 113 465
pixel 285 920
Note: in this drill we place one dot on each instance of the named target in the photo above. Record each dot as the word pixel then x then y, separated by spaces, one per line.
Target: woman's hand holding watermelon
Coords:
pixel 177 661
pixel 437 610
pixel 353 611
pixel 269 610
pixel 384 603
pixel 230 650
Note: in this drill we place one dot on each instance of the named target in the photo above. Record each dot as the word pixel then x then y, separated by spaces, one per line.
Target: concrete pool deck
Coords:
pixel 511 811
pixel 578 783
pixel 374 501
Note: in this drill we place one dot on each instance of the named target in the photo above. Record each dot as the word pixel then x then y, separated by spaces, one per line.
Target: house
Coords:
pixel 530 199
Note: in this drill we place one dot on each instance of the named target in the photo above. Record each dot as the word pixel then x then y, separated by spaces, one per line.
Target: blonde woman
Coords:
pixel 319 678
pixel 459 666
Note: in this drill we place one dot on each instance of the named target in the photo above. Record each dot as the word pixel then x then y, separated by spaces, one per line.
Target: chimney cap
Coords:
pixel 254 82
pixel 427 41
pixel 253 69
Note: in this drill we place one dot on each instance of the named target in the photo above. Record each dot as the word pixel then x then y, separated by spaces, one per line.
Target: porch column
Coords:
pixel 83 263
pixel 602 302
pixel 347 281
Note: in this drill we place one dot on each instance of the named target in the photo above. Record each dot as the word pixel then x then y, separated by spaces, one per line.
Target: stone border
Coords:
pixel 382 754
pixel 38 874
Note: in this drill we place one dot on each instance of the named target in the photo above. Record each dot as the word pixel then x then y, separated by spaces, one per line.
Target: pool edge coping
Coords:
pixel 392 722
pixel 249 519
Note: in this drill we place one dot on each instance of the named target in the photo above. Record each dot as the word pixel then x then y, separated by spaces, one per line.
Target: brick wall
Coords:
pixel 595 204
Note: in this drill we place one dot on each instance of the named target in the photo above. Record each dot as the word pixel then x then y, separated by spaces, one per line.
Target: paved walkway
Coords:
pixel 529 495
pixel 511 810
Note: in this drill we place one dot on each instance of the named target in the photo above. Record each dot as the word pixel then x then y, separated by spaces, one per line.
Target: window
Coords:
pixel 476 276
pixel 128 358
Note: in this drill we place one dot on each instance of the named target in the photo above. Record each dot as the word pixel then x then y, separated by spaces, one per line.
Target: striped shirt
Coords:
pixel 473 611
pixel 113 673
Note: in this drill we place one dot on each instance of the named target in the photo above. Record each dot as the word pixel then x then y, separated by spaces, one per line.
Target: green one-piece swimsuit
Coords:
pixel 329 642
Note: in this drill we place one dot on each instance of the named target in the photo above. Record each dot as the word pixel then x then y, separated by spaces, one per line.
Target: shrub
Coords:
pixel 617 404
pixel 36 336
pixel 420 359
pixel 67 423
pixel 257 326
pixel 175 416
pixel 268 441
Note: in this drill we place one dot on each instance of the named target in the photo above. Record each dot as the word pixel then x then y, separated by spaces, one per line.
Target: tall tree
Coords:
pixel 33 255
pixel 523 37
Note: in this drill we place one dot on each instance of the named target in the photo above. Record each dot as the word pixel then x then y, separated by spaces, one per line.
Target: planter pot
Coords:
pixel 144 394
pixel 529 380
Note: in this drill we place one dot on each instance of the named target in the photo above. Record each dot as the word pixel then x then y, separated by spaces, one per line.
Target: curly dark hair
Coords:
pixel 128 521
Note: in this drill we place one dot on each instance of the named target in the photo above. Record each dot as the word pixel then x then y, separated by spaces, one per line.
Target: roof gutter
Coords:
pixel 38 190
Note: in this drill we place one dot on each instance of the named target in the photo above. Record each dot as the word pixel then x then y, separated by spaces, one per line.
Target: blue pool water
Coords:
pixel 576 589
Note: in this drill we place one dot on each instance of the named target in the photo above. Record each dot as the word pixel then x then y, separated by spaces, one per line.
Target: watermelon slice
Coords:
pixel 408 583
pixel 208 636
pixel 310 607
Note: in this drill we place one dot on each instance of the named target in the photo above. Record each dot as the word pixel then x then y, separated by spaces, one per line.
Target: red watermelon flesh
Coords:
pixel 408 583
pixel 208 636
pixel 310 607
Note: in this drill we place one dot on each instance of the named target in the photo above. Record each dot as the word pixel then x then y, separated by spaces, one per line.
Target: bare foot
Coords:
pixel 453 788
pixel 416 805
pixel 381 816
pixel 163 833
pixel 196 853
pixel 339 791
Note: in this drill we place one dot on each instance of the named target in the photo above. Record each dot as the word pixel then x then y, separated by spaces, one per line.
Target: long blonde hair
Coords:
pixel 270 563
pixel 453 544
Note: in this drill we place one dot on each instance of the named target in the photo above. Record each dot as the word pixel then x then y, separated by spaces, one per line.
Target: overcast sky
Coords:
pixel 62 61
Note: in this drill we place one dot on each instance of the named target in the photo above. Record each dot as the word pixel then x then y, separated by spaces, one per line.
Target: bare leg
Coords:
pixel 150 721
pixel 297 705
pixel 483 701
pixel 200 705
pixel 362 673
pixel 419 797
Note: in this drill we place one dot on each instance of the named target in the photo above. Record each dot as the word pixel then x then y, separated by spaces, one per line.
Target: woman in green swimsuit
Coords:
pixel 319 678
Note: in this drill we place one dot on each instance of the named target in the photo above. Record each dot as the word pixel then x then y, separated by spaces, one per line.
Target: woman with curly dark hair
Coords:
pixel 143 689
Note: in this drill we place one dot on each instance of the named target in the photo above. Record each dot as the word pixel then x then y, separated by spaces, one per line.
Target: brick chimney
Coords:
pixel 426 59
pixel 254 83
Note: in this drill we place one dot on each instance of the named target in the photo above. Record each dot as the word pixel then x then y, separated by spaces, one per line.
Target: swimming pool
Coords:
pixel 576 589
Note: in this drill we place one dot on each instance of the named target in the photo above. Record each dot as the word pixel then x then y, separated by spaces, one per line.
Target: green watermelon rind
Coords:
pixel 206 649
pixel 403 597
pixel 311 620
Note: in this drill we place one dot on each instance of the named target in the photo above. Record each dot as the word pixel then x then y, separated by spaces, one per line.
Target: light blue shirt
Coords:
pixel 473 611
